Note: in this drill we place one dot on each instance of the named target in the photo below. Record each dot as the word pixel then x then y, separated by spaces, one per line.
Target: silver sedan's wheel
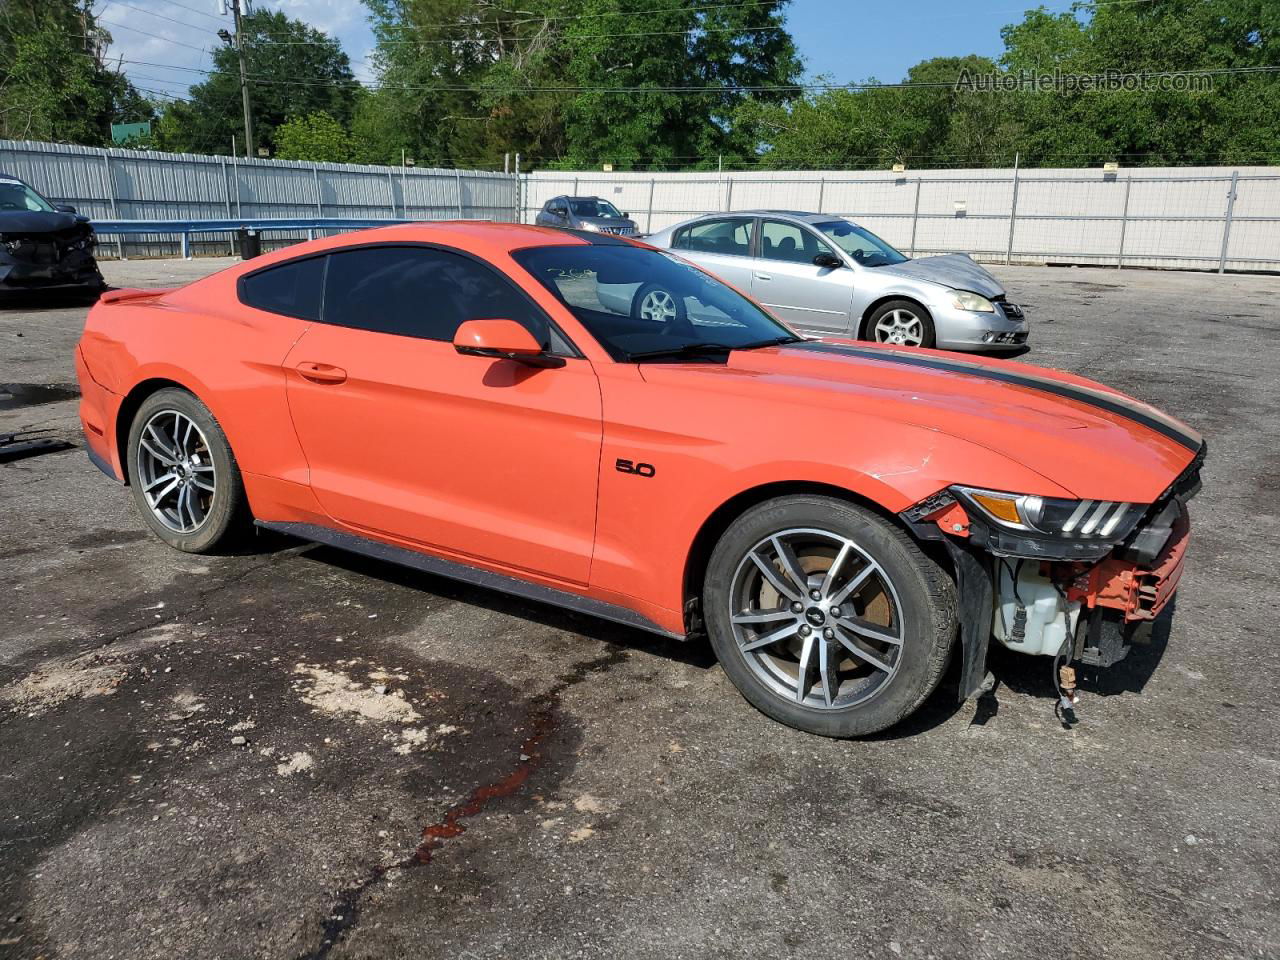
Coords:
pixel 817 620
pixel 900 326
pixel 658 306
pixel 900 322
pixel 176 472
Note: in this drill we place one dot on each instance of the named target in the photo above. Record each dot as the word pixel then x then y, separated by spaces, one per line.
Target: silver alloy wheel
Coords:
pixel 900 326
pixel 658 305
pixel 175 471
pixel 817 620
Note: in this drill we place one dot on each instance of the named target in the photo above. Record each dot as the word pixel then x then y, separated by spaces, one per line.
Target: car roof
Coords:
pixel 789 214
pixel 799 216
pixel 480 237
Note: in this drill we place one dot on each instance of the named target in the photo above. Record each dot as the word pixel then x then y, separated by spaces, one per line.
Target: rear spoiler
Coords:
pixel 129 293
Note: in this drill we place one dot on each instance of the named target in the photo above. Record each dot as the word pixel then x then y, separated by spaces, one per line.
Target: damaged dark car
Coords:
pixel 43 245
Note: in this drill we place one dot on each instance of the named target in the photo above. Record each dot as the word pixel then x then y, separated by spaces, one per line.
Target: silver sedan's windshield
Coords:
pixel 863 245
pixel 647 305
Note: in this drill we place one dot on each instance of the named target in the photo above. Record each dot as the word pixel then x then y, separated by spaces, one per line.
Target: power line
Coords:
pixel 576 36
pixel 690 89
pixel 481 24
pixel 151 13
pixel 211 16
pixel 156 36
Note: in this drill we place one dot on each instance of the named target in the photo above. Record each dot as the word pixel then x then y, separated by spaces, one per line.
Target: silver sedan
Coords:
pixel 823 274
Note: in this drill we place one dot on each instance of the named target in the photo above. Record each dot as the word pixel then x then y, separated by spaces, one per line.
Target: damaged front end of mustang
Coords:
pixel 1077 580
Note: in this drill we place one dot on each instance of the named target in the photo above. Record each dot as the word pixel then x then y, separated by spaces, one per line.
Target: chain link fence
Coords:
pixel 1193 218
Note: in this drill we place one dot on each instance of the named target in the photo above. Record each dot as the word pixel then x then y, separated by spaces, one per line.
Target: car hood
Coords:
pixel 1085 438
pixel 953 270
pixel 37 221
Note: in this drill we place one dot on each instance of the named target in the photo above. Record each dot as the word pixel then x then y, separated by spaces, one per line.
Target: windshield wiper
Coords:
pixel 704 349
pixel 700 349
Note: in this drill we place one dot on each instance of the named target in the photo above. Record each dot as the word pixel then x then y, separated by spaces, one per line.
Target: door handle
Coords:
pixel 321 372
pixel 763 276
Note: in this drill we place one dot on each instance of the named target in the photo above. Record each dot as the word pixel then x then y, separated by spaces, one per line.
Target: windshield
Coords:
pixel 637 301
pixel 863 245
pixel 595 208
pixel 18 196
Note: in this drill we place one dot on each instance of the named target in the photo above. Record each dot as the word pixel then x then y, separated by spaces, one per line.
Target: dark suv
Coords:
pixel 585 213
pixel 43 244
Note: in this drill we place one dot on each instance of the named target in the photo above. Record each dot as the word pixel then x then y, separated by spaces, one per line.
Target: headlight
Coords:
pixel 1095 521
pixel 593 227
pixel 965 300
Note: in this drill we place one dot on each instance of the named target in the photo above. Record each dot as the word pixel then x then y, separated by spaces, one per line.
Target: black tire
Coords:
pixel 681 316
pixel 926 620
pixel 919 313
pixel 226 519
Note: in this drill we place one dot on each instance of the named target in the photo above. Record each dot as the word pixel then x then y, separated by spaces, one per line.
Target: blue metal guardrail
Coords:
pixel 186 228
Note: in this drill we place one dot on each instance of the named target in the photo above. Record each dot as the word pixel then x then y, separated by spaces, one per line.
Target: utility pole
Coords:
pixel 244 79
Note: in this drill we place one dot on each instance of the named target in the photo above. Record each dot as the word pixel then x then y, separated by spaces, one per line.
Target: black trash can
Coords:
pixel 250 243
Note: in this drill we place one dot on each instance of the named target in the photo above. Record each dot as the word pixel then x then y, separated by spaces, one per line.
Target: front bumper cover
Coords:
pixel 76 268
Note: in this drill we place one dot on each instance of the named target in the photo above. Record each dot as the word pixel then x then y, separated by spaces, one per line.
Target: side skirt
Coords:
pixel 469 574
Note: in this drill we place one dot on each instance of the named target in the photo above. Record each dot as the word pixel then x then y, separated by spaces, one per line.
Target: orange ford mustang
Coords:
pixel 585 420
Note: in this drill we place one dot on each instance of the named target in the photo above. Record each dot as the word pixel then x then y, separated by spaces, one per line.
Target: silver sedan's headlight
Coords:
pixel 1096 521
pixel 967 300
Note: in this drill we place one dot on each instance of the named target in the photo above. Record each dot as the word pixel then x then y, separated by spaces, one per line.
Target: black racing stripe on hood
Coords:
pixel 1094 398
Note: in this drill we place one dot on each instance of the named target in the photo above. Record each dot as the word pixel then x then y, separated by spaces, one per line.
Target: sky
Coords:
pixel 845 39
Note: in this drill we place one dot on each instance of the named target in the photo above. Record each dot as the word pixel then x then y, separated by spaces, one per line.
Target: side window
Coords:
pixel 788 242
pixel 292 289
pixel 731 237
pixel 420 292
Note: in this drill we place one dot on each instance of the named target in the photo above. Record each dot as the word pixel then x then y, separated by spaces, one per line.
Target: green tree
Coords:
pixel 294 70
pixel 317 136
pixel 473 80
pixel 53 83
pixel 1238 121
pixel 873 126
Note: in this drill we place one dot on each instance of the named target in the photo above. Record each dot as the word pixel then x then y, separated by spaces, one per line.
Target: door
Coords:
pixel 787 281
pixel 484 458
pixel 555 214
pixel 721 246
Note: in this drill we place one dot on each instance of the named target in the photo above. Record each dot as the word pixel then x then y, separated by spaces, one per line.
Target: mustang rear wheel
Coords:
pixel 184 476
pixel 826 617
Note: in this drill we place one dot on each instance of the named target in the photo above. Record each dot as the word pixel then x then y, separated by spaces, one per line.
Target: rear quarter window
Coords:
pixel 293 289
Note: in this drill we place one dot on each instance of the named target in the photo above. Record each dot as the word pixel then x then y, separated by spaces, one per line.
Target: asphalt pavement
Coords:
pixel 296 753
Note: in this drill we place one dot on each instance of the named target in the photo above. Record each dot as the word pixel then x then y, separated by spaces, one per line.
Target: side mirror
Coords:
pixel 827 260
pixel 626 216
pixel 502 340
pixel 64 208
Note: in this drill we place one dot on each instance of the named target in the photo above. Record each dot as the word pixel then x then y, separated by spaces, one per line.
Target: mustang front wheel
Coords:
pixel 826 617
